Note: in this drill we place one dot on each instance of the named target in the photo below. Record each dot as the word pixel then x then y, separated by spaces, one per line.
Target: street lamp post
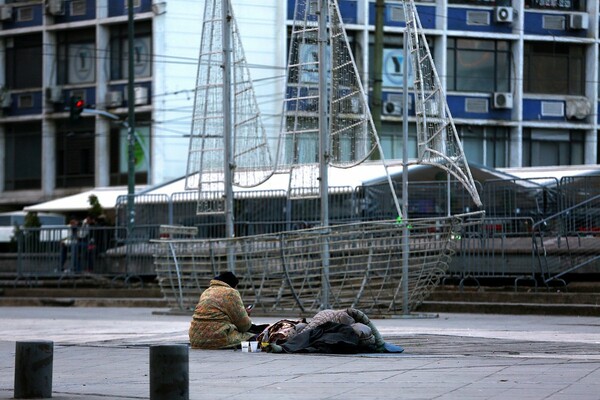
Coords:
pixel 130 121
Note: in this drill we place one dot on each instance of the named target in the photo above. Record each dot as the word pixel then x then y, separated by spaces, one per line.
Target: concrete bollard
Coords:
pixel 169 372
pixel 33 370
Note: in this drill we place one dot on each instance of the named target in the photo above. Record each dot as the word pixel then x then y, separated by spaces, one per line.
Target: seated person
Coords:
pixel 220 320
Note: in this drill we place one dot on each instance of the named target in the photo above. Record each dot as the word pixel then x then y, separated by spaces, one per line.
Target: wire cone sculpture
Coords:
pixel 351 134
pixel 438 140
pixel 253 162
pixel 370 262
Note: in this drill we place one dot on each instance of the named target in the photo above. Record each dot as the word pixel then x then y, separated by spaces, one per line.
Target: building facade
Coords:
pixel 53 51
pixel 521 78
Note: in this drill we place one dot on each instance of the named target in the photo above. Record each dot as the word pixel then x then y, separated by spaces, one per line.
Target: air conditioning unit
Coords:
pixel 55 7
pixel 114 98
pixel 54 94
pixel 503 14
pixel 392 108
pixel 140 95
pixel 392 104
pixel 6 13
pixel 159 8
pixel 503 100
pixel 578 108
pixel 579 21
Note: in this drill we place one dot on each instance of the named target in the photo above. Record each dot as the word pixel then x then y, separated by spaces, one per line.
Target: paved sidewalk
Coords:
pixel 103 353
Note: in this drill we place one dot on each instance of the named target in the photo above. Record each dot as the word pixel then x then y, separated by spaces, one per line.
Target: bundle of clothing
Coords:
pixel 329 331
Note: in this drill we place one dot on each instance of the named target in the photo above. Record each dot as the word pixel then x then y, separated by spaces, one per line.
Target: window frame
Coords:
pixel 119 49
pixel 23 52
pixel 560 51
pixel 457 81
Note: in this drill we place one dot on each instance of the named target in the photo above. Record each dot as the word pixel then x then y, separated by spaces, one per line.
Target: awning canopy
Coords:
pixel 370 173
pixel 107 196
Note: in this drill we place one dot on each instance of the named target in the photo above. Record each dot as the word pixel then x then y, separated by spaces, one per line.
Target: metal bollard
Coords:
pixel 169 372
pixel 33 370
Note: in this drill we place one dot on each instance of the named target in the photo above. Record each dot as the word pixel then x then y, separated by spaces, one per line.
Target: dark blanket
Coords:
pixel 329 337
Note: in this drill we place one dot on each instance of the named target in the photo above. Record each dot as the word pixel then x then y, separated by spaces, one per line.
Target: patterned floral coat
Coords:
pixel 220 319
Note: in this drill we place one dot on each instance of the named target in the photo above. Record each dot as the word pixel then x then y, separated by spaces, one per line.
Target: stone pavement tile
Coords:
pixel 594 376
pixel 276 390
pixel 388 391
pixel 104 353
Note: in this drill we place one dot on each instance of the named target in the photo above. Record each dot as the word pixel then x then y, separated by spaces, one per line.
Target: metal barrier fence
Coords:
pixel 505 245
pixel 568 241
pixel 283 271
pixel 496 248
pixel 67 253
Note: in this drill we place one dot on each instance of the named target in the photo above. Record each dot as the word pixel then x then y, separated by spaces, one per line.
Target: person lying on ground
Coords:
pixel 329 331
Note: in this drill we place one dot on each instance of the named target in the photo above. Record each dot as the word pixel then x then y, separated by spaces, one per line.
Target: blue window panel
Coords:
pixel 598 112
pixel 300 11
pixel 90 13
pixel 457 109
pixel 36 107
pixel 534 25
pixel 291 4
pixel 426 15
pixel 37 18
pixel 457 21
pixel 348 10
pixel 532 111
pixel 117 7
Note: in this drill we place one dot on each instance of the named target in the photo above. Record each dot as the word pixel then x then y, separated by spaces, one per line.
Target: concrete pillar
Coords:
pixel 33 370
pixel 169 372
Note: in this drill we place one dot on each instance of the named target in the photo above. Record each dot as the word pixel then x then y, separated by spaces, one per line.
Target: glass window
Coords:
pixel 119 51
pixel 554 68
pixel 485 145
pixel 478 65
pixel 482 2
pixel 391 141
pixel 119 148
pixel 391 73
pixel 76 57
pixel 22 172
pixel 572 5
pixel 545 147
pixel 75 155
pixel 24 61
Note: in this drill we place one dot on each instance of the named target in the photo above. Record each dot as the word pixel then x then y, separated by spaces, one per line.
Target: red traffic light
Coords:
pixel 76 108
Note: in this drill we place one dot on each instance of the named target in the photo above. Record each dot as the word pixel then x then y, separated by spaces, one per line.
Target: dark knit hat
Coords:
pixel 229 278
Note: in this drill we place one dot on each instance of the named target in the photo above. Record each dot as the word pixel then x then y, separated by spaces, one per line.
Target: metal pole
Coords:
pixel 376 103
pixel 228 132
pixel 33 370
pixel 130 120
pixel 324 148
pixel 405 231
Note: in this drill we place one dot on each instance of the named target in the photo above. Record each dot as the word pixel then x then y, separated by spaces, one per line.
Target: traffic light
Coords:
pixel 76 108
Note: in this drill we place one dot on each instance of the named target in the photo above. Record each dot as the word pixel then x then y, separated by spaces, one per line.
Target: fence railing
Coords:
pixel 530 230
pixel 568 241
pixel 496 248
pixel 64 253
pixel 284 271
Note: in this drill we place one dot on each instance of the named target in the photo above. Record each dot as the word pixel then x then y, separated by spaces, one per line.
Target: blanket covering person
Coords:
pixel 330 331
pixel 220 320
